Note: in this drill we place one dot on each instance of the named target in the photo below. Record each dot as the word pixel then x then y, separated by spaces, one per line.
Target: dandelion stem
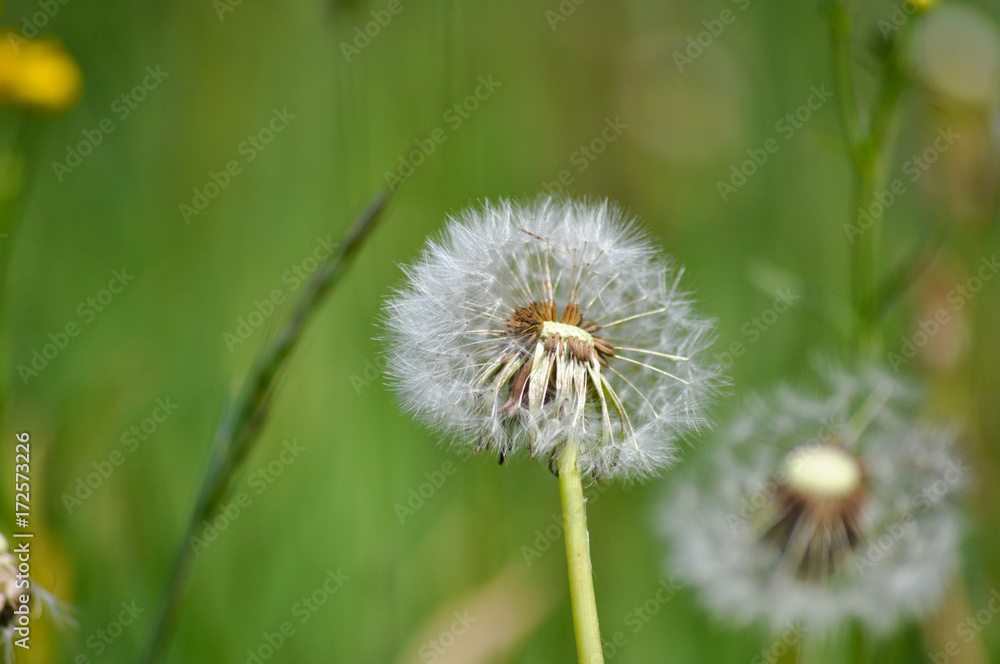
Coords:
pixel 869 144
pixel 244 421
pixel 840 41
pixel 581 578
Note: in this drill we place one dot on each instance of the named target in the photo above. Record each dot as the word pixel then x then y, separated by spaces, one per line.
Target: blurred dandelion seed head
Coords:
pixel 814 514
pixel 20 595
pixel 10 594
pixel 956 53
pixel 526 326
pixel 823 508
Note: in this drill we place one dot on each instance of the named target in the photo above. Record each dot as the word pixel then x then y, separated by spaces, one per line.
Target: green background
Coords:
pixel 335 506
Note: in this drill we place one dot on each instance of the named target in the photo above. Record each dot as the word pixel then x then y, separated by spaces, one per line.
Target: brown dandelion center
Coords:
pixel 538 328
pixel 815 513
pixel 9 595
pixel 555 360
pixel 540 322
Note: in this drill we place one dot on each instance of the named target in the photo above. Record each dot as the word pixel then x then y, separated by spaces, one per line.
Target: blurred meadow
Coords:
pixel 244 140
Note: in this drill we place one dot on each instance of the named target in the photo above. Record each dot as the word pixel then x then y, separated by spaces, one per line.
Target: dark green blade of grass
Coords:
pixel 245 418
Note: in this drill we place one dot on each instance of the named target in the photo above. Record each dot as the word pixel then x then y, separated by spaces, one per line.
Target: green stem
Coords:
pixel 873 174
pixel 840 41
pixel 865 249
pixel 581 577
pixel 869 146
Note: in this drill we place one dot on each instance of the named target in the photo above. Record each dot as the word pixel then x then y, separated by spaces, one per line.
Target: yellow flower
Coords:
pixel 37 74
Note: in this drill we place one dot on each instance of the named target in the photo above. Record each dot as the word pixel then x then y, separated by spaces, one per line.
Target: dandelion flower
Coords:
pixel 526 326
pixel 824 509
pixel 37 74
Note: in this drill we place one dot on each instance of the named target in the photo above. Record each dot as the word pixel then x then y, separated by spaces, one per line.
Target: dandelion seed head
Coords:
pixel 526 325
pixel 10 595
pixel 818 509
pixel 955 51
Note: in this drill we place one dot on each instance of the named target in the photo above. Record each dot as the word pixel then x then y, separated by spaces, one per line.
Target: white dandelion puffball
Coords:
pixel 823 509
pixel 528 326
pixel 10 587
pixel 21 600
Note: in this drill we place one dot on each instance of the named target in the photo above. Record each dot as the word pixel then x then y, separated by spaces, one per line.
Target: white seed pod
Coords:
pixel 526 326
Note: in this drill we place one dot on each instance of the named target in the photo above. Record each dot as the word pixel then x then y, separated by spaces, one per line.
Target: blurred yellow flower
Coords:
pixel 37 74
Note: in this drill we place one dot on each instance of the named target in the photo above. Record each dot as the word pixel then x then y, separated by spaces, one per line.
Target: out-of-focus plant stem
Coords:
pixel 869 144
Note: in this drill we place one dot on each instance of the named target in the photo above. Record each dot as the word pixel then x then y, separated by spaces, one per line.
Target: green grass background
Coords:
pixel 334 507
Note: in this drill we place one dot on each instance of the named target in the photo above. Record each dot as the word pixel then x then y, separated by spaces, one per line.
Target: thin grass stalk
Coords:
pixel 243 424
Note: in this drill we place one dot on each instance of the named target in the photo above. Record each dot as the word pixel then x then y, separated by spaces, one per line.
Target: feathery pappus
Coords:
pixel 823 508
pixel 527 326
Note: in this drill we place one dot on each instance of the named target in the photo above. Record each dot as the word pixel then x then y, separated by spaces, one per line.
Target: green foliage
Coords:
pixel 371 495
